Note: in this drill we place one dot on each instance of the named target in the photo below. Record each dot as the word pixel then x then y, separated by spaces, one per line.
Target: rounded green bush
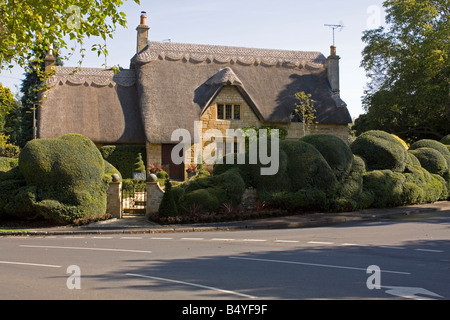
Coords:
pixel 306 168
pixel 69 175
pixel 432 160
pixel 335 151
pixel 428 143
pixel 381 151
pixel 424 180
pixel 446 140
pixel 386 186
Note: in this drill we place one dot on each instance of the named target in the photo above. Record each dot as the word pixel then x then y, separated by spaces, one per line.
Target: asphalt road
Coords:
pixel 399 259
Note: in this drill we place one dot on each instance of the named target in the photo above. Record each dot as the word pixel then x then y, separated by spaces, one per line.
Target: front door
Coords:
pixel 176 172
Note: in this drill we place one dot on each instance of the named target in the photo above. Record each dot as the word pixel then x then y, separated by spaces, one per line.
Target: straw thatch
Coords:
pixel 178 81
pixel 170 85
pixel 97 103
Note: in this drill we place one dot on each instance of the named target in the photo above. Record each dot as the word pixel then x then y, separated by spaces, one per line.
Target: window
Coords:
pixel 229 148
pixel 229 112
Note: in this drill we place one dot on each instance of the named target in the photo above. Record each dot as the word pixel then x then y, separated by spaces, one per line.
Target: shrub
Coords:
pixel 427 143
pixel 306 168
pixel 227 187
pixel 139 165
pixel 381 151
pixel 432 160
pixel 69 175
pixel 335 151
pixel 167 208
pixel 123 158
pixel 386 187
pixel 424 180
pixel 446 140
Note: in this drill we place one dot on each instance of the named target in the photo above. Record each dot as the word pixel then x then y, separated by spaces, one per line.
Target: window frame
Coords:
pixel 228 112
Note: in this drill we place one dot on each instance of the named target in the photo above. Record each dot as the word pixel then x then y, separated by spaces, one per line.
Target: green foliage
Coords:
pixel 208 193
pixel 335 151
pixel 168 207
pixel 432 160
pixel 386 187
pixel 408 66
pixel 139 165
pixel 381 151
pixel 68 174
pixel 55 23
pixel 428 143
pixel 446 140
pixel 123 158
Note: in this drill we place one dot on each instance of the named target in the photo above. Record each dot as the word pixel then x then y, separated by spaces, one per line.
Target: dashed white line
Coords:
pixel 254 240
pixel 286 241
pixel 194 239
pixel 392 247
pixel 161 238
pixel 430 250
pixel 30 264
pixel 85 248
pixel 131 238
pixel 221 239
pixel 320 242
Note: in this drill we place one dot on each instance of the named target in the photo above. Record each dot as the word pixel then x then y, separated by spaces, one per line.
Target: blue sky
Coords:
pixel 280 24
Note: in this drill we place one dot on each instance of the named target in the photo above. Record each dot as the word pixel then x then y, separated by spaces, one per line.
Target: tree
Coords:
pixel 304 110
pixel 409 70
pixel 38 24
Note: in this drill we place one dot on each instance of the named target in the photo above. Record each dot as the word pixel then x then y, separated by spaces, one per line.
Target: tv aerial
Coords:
pixel 335 27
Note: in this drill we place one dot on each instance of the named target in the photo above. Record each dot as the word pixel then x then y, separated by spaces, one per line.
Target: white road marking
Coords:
pixel 74 237
pixel 30 264
pixel 193 285
pixel 314 264
pixel 101 237
pixel 131 238
pixel 254 240
pixel 320 242
pixel 196 239
pixel 392 247
pixel 221 239
pixel 161 238
pixel 286 241
pixel 430 250
pixel 85 248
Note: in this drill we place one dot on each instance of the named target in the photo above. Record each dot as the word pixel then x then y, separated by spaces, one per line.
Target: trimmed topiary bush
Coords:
pixel 168 208
pixel 446 140
pixel 381 151
pixel 386 187
pixel 335 151
pixel 427 143
pixel 432 160
pixel 69 176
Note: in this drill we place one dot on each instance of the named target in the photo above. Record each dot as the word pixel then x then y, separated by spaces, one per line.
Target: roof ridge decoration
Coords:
pixel 92 76
pixel 224 54
pixel 224 76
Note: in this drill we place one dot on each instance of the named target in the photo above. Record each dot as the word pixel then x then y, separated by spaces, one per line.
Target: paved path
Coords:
pixel 140 225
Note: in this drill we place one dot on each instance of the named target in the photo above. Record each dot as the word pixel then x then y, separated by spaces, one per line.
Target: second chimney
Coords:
pixel 142 33
pixel 333 70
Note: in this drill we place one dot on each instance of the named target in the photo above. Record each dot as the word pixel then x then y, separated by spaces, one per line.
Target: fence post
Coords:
pixel 114 199
pixel 154 195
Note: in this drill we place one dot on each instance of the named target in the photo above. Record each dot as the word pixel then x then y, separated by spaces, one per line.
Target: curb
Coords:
pixel 298 221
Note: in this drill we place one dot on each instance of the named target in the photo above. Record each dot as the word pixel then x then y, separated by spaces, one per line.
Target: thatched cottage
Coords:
pixel 196 87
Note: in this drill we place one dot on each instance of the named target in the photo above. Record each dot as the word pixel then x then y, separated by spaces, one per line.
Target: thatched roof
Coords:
pixel 177 82
pixel 94 102
pixel 170 85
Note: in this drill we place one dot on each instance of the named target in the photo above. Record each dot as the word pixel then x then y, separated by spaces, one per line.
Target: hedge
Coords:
pixel 432 160
pixel 381 151
pixel 335 151
pixel 124 158
pixel 65 178
pixel 446 140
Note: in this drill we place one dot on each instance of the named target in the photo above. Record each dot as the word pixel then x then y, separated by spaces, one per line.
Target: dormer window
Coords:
pixel 228 112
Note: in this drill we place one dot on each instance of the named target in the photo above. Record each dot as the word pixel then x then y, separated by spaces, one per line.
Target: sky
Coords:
pixel 268 24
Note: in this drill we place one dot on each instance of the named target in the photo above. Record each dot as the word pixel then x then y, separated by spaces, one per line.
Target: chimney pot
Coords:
pixel 143 18
pixel 333 50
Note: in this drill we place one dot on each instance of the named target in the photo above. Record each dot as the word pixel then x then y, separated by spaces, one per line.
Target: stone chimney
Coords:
pixel 49 60
pixel 333 70
pixel 142 33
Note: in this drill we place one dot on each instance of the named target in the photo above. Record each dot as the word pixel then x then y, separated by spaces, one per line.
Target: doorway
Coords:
pixel 175 171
